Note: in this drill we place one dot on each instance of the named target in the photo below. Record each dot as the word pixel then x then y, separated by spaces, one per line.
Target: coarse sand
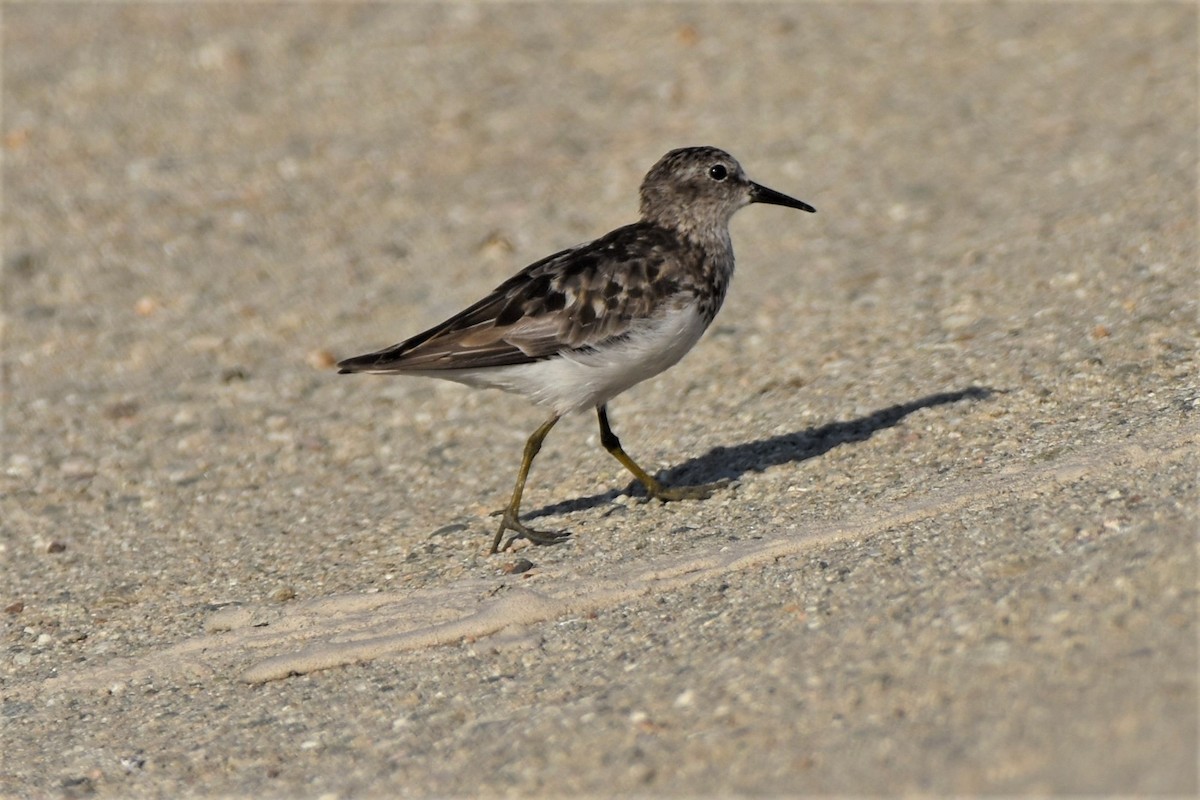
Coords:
pixel 956 408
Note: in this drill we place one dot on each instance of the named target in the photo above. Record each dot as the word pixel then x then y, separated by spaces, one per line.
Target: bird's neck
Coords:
pixel 711 236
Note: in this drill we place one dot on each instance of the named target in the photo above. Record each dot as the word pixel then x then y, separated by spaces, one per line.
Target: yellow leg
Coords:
pixel 510 516
pixel 653 486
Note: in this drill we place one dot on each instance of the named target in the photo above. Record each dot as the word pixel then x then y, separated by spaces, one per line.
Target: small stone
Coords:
pixel 321 359
pixel 132 763
pixel 517 567
pixel 121 410
pixel 77 468
pixel 283 594
pixel 496 245
pixel 16 138
pixel 77 787
pixel 20 466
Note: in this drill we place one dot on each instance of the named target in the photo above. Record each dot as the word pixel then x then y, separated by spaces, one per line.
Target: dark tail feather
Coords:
pixel 359 363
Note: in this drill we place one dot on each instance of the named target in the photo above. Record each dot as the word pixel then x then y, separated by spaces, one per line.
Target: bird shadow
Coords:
pixel 730 463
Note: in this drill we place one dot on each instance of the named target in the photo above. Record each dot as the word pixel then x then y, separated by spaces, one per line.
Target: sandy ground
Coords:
pixel 957 405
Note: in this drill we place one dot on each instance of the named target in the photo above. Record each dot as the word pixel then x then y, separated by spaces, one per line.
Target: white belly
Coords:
pixel 580 381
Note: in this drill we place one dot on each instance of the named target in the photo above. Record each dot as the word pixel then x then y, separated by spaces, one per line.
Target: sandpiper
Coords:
pixel 579 327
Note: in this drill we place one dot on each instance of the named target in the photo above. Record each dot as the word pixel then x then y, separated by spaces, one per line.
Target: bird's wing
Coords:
pixel 575 299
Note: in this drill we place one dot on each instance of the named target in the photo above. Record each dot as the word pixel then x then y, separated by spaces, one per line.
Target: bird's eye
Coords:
pixel 718 172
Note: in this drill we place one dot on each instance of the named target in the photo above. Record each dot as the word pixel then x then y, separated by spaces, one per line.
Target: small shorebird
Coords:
pixel 579 327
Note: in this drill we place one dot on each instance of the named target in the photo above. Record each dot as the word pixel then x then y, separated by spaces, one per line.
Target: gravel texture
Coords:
pixel 957 406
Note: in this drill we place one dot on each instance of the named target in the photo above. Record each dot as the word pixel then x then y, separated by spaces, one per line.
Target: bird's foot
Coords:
pixel 667 494
pixel 510 522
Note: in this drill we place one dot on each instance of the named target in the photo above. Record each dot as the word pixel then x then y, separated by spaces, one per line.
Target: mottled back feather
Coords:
pixel 575 299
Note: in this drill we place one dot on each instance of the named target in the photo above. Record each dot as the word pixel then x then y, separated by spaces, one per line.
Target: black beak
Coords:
pixel 761 194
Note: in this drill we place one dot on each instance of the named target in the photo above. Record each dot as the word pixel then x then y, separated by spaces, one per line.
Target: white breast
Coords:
pixel 579 381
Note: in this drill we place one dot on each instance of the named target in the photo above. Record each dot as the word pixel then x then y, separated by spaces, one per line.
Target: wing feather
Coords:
pixel 575 299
